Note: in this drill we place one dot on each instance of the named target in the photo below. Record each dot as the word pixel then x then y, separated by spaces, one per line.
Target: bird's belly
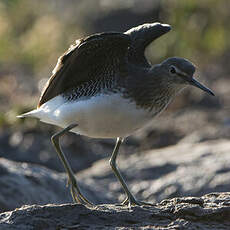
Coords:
pixel 102 116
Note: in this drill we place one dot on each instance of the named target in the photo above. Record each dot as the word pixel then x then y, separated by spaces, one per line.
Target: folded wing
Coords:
pixel 90 58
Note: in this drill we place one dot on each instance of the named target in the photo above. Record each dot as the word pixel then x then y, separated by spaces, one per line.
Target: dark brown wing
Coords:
pixel 141 36
pixel 88 59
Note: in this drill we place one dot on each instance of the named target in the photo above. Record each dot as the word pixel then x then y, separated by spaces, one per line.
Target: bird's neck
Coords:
pixel 152 93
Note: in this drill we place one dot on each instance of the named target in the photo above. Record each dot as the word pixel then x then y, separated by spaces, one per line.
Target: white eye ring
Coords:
pixel 172 70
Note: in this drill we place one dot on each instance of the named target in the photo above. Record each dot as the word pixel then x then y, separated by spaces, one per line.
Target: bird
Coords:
pixel 103 86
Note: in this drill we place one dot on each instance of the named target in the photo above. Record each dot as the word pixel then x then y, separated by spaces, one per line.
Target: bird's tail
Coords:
pixel 33 113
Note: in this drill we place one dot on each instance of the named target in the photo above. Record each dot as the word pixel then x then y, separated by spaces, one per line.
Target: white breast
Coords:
pixel 101 116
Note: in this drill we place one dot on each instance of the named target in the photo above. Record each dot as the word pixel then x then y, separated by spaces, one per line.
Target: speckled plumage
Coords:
pixel 96 57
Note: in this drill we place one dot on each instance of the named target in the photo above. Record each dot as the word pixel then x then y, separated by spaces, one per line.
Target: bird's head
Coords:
pixel 179 72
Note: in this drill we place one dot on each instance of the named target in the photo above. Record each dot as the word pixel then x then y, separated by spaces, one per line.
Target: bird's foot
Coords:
pixel 77 196
pixel 131 201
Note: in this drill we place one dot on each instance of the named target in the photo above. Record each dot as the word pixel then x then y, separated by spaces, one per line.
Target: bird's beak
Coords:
pixel 200 86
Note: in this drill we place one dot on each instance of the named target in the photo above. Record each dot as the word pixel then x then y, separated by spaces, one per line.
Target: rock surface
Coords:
pixel 211 211
pixel 185 169
pixel 182 170
pixel 23 183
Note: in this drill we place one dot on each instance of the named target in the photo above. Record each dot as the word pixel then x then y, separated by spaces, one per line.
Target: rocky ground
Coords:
pixel 183 170
pixel 211 212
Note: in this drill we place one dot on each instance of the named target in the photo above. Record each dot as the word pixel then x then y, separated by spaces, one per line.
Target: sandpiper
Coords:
pixel 104 87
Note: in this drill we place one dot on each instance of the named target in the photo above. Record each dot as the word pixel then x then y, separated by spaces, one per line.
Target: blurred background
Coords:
pixel 33 34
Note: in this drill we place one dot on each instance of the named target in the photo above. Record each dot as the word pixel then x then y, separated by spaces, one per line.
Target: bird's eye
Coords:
pixel 172 70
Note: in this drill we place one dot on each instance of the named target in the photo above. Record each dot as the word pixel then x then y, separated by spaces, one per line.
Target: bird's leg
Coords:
pixel 130 198
pixel 75 191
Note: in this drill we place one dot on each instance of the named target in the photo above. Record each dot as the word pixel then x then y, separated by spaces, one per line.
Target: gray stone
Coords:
pixel 211 212
pixel 185 169
pixel 23 183
pixel 181 170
